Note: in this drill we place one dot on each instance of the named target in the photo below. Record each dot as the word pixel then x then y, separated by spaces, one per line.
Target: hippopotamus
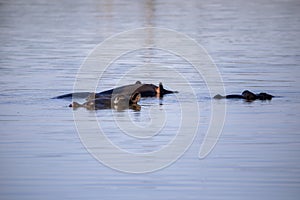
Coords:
pixel 121 97
pixel 146 90
pixel 117 101
pixel 247 95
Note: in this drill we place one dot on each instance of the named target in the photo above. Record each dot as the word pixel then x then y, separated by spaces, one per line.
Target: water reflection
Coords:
pixel 101 104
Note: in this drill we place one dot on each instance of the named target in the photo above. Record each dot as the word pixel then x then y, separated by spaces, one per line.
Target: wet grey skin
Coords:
pixel 246 95
pixel 146 90
pixel 118 102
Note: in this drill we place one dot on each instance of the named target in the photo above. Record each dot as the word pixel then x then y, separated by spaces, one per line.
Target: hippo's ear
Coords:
pixel 161 87
pixel 138 82
pixel 75 105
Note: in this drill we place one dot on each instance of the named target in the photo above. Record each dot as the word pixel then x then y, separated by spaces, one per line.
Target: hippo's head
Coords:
pixel 249 96
pixel 126 99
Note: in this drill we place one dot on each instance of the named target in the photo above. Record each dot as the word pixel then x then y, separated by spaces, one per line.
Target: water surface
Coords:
pixel 255 46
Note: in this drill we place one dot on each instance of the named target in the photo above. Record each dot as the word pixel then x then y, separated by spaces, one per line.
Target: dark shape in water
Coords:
pixel 247 95
pixel 118 102
pixel 146 90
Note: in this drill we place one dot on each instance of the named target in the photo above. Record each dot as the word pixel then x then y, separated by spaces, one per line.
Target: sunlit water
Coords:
pixel 255 46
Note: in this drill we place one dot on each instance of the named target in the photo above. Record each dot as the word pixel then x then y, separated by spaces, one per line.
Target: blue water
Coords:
pixel 255 46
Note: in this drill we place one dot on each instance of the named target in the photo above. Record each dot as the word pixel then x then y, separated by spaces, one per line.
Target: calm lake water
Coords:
pixel 255 45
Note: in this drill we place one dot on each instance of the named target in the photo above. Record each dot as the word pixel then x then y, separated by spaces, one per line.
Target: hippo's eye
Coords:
pixel 119 99
pixel 116 100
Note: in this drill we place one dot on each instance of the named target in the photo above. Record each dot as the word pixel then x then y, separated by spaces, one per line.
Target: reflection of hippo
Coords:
pixel 118 102
pixel 247 95
pixel 146 90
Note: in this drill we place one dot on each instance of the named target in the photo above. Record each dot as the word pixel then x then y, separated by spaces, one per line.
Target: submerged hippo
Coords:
pixel 121 97
pixel 146 90
pixel 247 95
pixel 118 102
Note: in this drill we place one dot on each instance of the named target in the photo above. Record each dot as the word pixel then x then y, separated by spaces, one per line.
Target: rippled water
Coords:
pixel 255 46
